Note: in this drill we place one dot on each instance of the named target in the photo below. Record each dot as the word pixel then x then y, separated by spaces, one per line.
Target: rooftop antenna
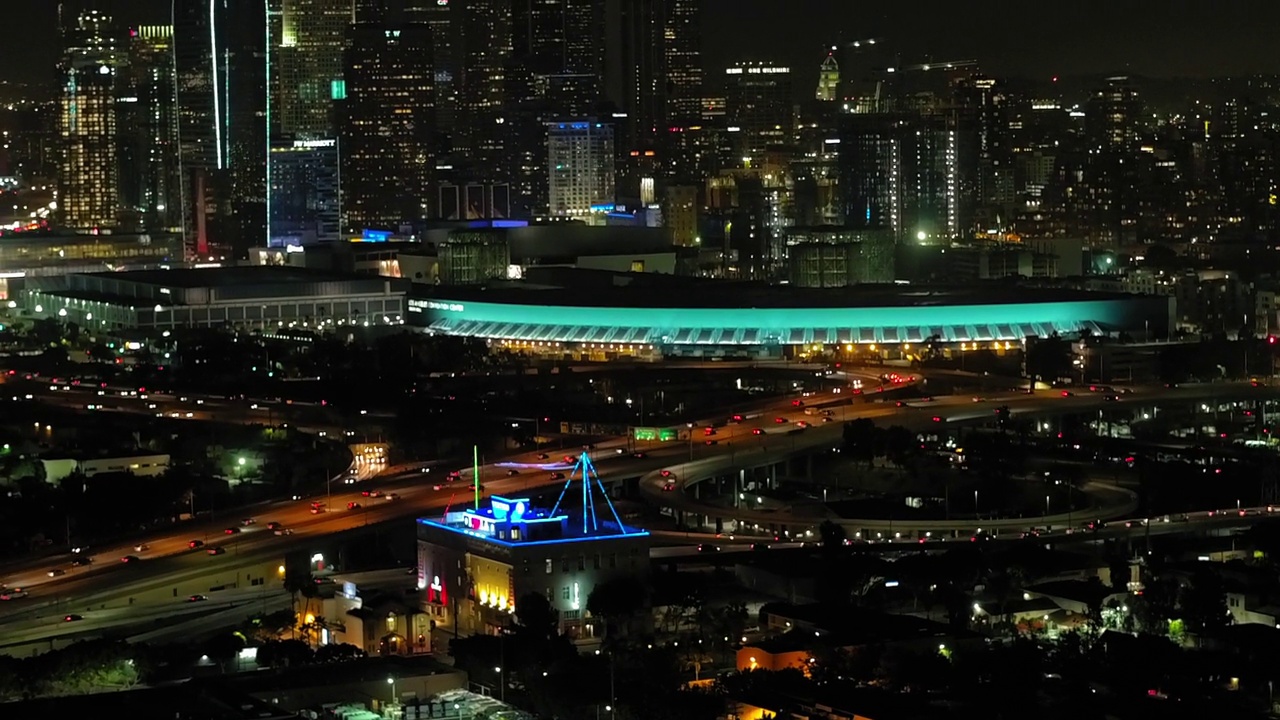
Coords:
pixel 590 486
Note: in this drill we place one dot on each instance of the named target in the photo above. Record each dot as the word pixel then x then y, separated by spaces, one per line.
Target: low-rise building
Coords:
pixel 56 469
pixel 474 564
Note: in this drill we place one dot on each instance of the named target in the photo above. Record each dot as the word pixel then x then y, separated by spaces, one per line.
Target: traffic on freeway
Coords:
pixel 787 422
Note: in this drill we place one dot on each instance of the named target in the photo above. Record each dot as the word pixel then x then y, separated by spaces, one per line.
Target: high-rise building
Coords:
pixel 88 169
pixel 308 58
pixel 653 74
pixel 483 55
pixel 580 157
pixel 829 78
pixel 387 159
pixel 759 101
pixel 305 192
pixel 903 172
pixel 150 179
pixel 221 57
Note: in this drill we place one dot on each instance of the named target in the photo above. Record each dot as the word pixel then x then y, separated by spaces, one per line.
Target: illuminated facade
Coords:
pixel 221 56
pixel 772 324
pixel 308 58
pixel 759 102
pixel 829 79
pixel 388 161
pixel 475 564
pixel 305 200
pixel 151 185
pixel 89 167
pixel 580 161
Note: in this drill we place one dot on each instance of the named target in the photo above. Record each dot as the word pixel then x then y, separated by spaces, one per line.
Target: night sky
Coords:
pixel 1025 38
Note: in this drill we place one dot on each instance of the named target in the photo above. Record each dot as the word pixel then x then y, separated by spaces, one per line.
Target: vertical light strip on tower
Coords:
pixel 475 472
pixel 213 61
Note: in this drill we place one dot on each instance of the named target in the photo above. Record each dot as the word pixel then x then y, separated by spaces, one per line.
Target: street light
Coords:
pixel 392 682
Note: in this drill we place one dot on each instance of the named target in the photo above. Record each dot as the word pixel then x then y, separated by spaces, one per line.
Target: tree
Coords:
pixel 900 444
pixel 338 652
pixel 833 536
pixel 1203 602
pixel 536 618
pixel 618 601
pixel 1049 358
pixel 860 438
pixel 285 653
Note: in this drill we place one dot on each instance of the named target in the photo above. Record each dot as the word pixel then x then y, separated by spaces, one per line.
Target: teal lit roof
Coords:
pixel 778 325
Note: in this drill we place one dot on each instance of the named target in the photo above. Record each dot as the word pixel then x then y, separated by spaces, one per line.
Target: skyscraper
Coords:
pixel 484 31
pixel 150 176
pixel 387 160
pixel 580 158
pixel 88 168
pixel 682 61
pixel 759 101
pixel 308 58
pixel 220 61
pixel 829 78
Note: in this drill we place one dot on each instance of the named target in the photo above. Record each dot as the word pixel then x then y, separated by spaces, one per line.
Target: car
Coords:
pixel 247 522
pixel 353 505
pixel 197 598
pixel 80 549
pixel 283 531
pixel 56 572
pixel 570 459
pixel 757 431
pixel 666 473
pixel 761 546
pixel 708 431
pixel 371 493
pixel 1111 398
pixel 316 509
pixel 193 544
pixel 13 594
pixel 802 424
pixel 711 442
pixel 129 559
pixel 780 420
pixel 82 561
pixel 274 526
pixel 231 531
pixel 391 496
pixel 639 455
pixel 736 419
pixel 216 550
pixel 669 487
pixel 512 472
pixel 72 618
pixel 141 547
pixel 708 548
pixel 1067 393
pixel 826 418
pixel 543 456
pixel 557 476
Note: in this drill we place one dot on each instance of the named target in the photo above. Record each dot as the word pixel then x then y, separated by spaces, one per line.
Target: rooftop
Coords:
pixel 226 276
pixel 652 290
pixel 209 702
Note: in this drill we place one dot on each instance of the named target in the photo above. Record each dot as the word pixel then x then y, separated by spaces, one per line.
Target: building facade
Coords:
pixel 306 203
pixel 89 167
pixel 388 160
pixel 580 161
pixel 475 565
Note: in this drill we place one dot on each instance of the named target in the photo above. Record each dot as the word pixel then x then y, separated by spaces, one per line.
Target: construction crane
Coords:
pixel 926 67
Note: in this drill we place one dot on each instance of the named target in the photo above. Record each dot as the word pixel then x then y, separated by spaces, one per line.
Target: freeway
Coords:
pixel 168 562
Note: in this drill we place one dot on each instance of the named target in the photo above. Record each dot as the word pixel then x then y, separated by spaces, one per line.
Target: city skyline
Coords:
pixel 1147 38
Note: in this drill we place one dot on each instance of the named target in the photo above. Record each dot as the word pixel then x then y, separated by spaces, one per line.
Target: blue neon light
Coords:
pixel 627 533
pixel 375 235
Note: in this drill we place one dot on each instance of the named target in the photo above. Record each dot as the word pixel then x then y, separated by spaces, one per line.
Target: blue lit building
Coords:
pixel 475 564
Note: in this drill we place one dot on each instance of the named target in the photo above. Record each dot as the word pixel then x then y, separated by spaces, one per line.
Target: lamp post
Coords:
pixel 392 682
pixel 502 684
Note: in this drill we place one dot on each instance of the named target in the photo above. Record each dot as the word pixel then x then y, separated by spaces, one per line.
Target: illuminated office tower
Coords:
pixel 88 168
pixel 829 78
pixel 580 163
pixel 386 141
pixel 221 56
pixel 308 58
pixel 484 31
pixel 149 130
pixel 305 197
pixel 759 102
pixel 682 60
